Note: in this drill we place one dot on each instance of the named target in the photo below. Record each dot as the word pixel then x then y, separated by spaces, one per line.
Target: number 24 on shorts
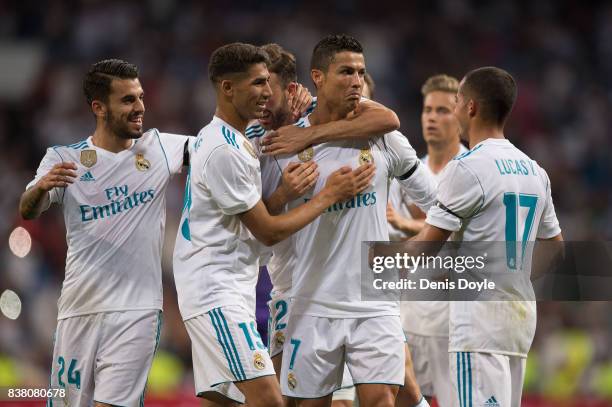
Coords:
pixel 74 376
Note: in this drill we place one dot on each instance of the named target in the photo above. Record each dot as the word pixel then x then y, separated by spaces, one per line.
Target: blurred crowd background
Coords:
pixel 560 52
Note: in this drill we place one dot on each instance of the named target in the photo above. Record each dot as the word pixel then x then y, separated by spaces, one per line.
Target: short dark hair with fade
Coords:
pixel 440 83
pixel 97 82
pixel 325 51
pixel 234 58
pixel 495 91
pixel 282 63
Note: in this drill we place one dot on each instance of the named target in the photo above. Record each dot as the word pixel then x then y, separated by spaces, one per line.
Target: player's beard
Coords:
pixel 119 126
pixel 281 118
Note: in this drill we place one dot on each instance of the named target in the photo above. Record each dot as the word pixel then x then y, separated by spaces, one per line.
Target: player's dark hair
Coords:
pixel 281 63
pixel 494 90
pixel 234 58
pixel 97 82
pixel 325 51
pixel 370 82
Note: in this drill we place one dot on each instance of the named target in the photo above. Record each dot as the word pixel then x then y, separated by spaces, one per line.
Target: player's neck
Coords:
pixel 439 156
pixel 105 139
pixel 481 131
pixel 231 117
pixel 324 113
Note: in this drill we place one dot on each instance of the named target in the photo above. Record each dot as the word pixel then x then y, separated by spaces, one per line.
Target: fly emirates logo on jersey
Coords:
pixel 120 200
pixel 356 202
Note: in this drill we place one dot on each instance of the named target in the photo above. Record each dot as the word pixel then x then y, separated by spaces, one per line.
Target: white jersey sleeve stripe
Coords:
pixel 163 151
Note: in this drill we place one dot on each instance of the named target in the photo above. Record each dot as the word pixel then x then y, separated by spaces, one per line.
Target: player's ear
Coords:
pixel 291 89
pixel 317 77
pixel 472 108
pixel 226 87
pixel 99 108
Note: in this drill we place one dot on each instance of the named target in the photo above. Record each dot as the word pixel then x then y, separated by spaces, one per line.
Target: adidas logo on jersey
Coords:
pixel 491 402
pixel 87 177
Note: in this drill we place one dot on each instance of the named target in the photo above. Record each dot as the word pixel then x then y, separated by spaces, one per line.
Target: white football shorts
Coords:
pixel 104 357
pixel 226 348
pixel 430 363
pixel 279 307
pixel 317 349
pixel 486 379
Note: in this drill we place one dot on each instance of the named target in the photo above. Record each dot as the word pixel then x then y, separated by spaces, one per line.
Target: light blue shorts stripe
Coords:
pixel 230 361
pixel 233 344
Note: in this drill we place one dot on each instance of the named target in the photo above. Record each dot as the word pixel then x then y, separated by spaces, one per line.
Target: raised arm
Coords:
pixel 369 119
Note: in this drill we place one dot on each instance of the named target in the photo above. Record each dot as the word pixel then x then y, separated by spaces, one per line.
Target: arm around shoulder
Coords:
pixel 369 119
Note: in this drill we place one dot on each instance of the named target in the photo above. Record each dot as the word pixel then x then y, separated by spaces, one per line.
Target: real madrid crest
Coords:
pixel 365 156
pixel 291 381
pixel 306 154
pixel 248 147
pixel 279 338
pixel 142 164
pixel 258 361
pixel 89 158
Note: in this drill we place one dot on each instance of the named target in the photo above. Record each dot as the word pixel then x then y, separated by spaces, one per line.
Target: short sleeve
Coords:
pixel 549 225
pixel 51 158
pixel 459 197
pixel 401 156
pixel 174 147
pixel 415 180
pixel 234 184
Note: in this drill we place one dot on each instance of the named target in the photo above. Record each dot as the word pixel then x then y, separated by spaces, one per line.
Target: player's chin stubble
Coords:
pixel 121 127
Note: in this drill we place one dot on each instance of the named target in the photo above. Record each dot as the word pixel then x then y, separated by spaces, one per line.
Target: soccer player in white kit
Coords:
pixel 494 192
pixel 217 248
pixel 283 82
pixel 425 323
pixel 329 325
pixel 111 187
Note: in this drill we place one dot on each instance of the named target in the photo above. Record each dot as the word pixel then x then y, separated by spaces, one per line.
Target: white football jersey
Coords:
pixel 426 318
pixel 398 201
pixel 281 264
pixel 327 277
pixel 495 193
pixel 115 213
pixel 282 261
pixel 215 255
